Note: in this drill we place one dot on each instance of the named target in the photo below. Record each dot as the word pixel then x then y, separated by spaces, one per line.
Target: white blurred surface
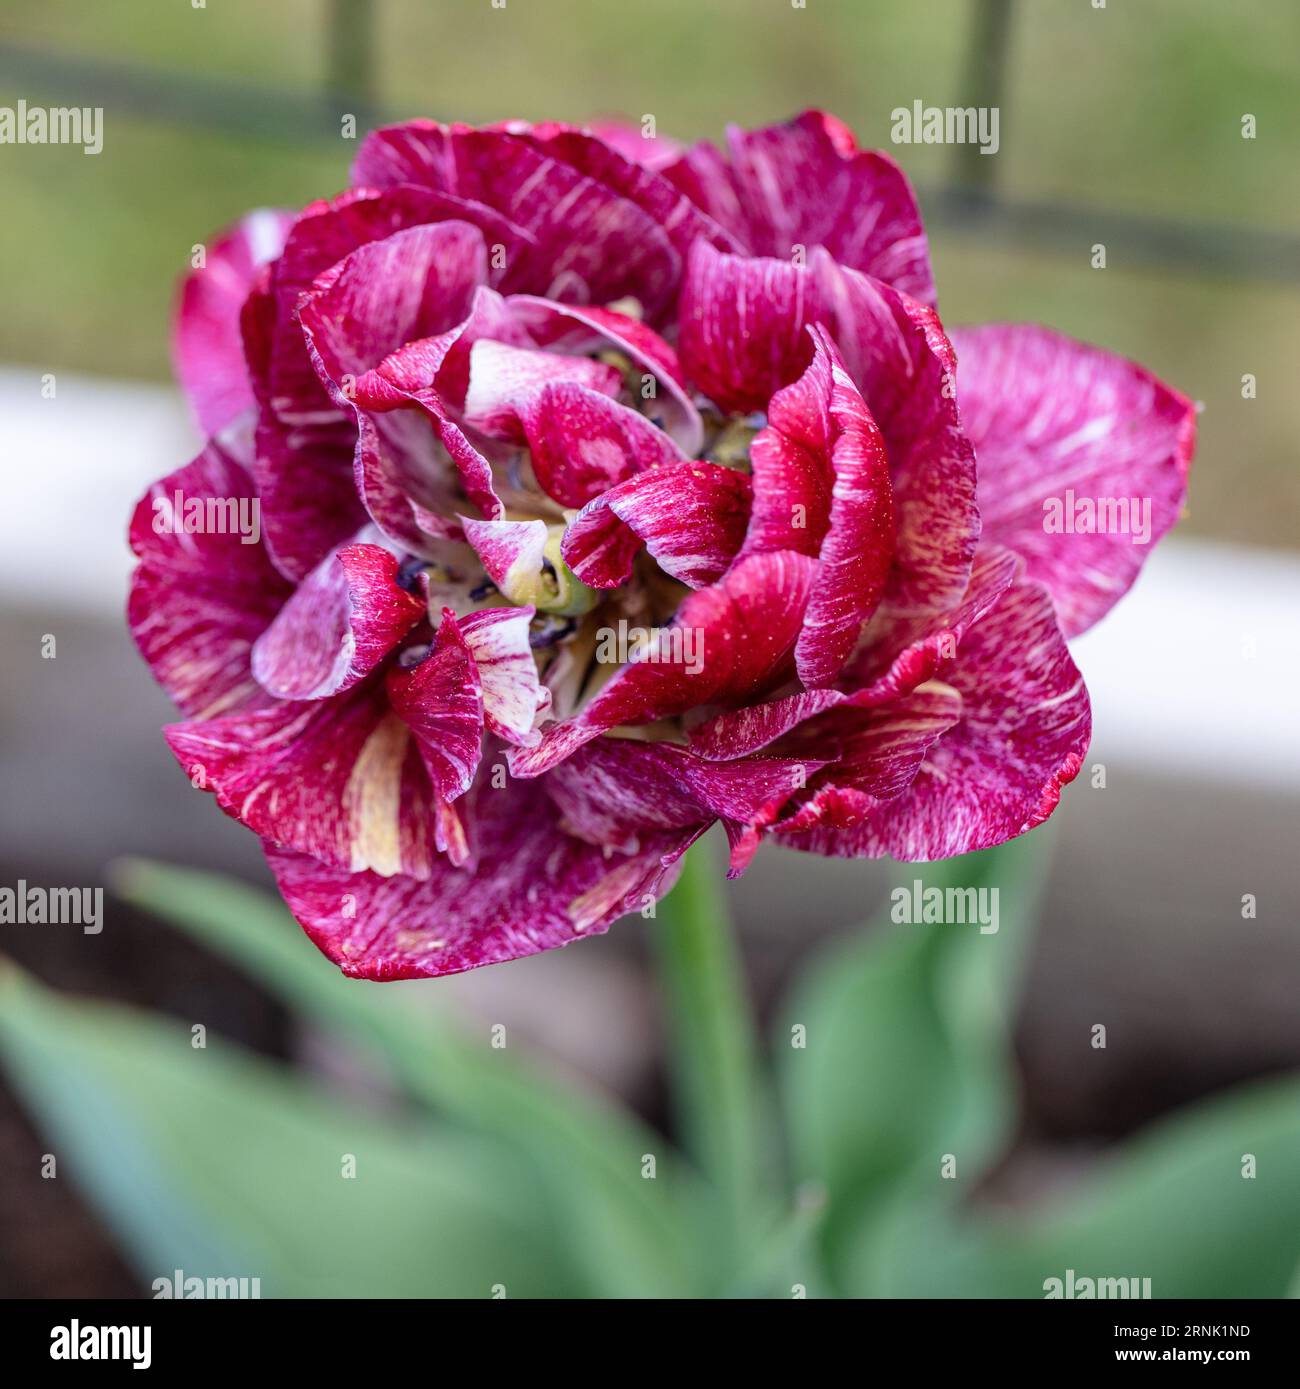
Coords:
pixel 1195 674
pixel 1197 671
pixel 74 467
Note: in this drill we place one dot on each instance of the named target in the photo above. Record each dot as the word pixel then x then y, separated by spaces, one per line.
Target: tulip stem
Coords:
pixel 712 1046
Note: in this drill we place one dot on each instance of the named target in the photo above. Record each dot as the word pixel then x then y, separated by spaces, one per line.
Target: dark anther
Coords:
pixel 414 655
pixel 482 591
pixel 408 573
pixel 549 631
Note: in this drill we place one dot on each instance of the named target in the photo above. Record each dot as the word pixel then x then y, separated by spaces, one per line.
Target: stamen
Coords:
pixel 408 572
pixel 731 443
pixel 413 656
pixel 550 631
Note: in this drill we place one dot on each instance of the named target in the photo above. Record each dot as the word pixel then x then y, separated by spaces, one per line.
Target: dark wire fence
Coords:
pixel 968 204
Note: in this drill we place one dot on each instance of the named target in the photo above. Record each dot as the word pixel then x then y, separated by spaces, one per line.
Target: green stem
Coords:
pixel 712 1047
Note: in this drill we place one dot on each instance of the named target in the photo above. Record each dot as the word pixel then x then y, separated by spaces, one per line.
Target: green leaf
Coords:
pixel 630 1235
pixel 1173 1206
pixel 786 1261
pixel 219 1164
pixel 904 1031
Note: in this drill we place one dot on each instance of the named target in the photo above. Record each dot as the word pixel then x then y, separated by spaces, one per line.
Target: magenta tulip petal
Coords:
pixel 534 888
pixel 415 470
pixel 583 443
pixel 577 329
pixel 900 650
pixel 821 486
pixel 588 243
pixel 305 440
pixel 742 731
pixel 401 478
pixel 342 621
pixel 432 376
pixel 615 791
pixel 743 322
pixel 896 352
pixel 441 702
pixel 306 484
pixel 511 553
pixel 513 697
pixel 1024 730
pixel 501 377
pixel 691 517
pixel 805 184
pixel 353 323
pixel 442 362
pixel 681 219
pixel 207 344
pixel 328 231
pixel 411 470
pixel 654 152
pixel 411 285
pixel 1083 460
pixel 200 599
pixel 473 470
pixel 899 653
pixel 339 779
pixel 880 753
pixel 743 338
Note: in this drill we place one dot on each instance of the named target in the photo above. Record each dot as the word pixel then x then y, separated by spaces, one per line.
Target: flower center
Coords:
pixel 570 615
pixel 728 438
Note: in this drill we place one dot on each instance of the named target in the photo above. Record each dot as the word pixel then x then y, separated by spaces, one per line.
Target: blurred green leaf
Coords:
pixel 786 1262
pixel 631 1236
pixel 860 1094
pixel 905 1040
pixel 1174 1207
pixel 222 1165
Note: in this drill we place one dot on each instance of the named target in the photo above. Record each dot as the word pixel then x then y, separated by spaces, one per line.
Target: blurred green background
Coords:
pixel 853 1160
pixel 1124 123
